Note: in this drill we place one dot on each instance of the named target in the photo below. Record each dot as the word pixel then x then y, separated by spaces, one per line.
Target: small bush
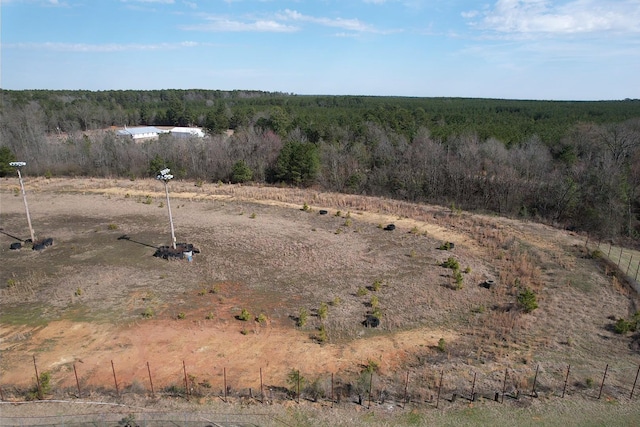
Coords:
pixel 451 263
pixel 527 300
pixel 442 345
pixel 126 196
pixel 210 316
pixel 244 331
pixel 306 207
pixel 147 200
pixel 445 246
pixel 202 292
pixel 78 292
pixel 302 317
pixel 323 311
pixel 295 379
pixel 244 315
pixel 253 215
pixel 336 301
pixel 11 282
pixel 262 318
pixel 112 226
pixel 374 301
pixel 148 313
pixel 377 285
pixel 362 291
pixel 371 366
pixel 181 315
pixel 322 336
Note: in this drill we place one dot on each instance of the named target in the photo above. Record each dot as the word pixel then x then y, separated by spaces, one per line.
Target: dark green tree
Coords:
pixel 157 164
pixel 298 163
pixel 241 172
pixel 6 156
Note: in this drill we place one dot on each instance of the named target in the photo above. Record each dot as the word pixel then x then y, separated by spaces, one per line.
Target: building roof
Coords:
pixel 140 130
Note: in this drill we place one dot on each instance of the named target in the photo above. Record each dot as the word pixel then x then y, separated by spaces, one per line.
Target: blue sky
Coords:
pixel 514 49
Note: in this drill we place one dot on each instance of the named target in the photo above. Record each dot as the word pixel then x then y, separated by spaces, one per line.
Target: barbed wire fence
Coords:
pixel 368 388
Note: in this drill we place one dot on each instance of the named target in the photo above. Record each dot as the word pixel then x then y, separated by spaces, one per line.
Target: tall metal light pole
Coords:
pixel 19 165
pixel 165 176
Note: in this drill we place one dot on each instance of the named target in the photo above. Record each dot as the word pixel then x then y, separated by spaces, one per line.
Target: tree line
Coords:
pixel 573 164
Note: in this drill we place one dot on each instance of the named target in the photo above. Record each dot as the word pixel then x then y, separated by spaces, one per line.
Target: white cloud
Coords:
pixel 108 47
pixel 149 1
pixel 530 17
pixel 220 24
pixel 354 25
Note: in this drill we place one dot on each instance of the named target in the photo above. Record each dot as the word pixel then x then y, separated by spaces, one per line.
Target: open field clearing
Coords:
pixel 104 307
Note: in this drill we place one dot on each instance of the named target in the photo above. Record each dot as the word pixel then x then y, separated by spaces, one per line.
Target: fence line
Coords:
pixel 627 260
pixel 554 381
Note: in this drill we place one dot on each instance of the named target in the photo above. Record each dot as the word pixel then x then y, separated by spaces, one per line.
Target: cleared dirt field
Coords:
pixel 93 298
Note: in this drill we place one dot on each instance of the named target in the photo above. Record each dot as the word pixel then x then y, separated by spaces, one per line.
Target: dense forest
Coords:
pixel 568 163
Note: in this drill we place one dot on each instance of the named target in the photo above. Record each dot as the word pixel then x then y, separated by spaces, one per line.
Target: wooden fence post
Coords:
pixel 224 375
pixel 186 380
pixel 261 387
pixel 535 379
pixel 473 387
pixel 115 380
pixel 439 388
pixel 564 389
pixel 77 382
pixel 603 377
pixel 406 385
pixel 37 378
pixel 504 385
pixel 150 380
pixel 370 388
pixel 634 383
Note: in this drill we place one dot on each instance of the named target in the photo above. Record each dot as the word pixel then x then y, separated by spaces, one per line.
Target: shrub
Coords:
pixel 148 313
pixel 305 207
pixel 371 366
pixel 295 379
pixel 451 263
pixel 374 301
pixel 445 246
pixel 336 301
pixel 210 316
pixel 458 278
pixel 622 326
pixel 244 315
pixel 321 336
pixel 302 317
pixel 362 291
pixel 112 226
pixel 11 282
pixel 377 285
pixel 323 311
pixel 78 292
pixel 241 172
pixel 253 215
pixel 262 318
pixel 527 300
pixel 147 200
pixel 442 345
pixel 181 315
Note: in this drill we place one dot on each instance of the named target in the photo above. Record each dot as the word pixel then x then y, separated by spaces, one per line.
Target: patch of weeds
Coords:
pixel 480 309
pixel 295 380
pixel 127 196
pixel 442 345
pixel 129 420
pixel 244 331
pixel 457 277
pixel 181 315
pixel 112 226
pixel 371 366
pixel 210 316
pixel 322 336
pixel 305 207
pixel 323 311
pixel 347 222
pixel 374 302
pixel 214 289
pixel 202 292
pixel 262 318
pixel 589 382
pixel 414 230
pixel 362 291
pixel 148 313
pixel 445 246
pixel 377 285
pixel 253 215
pixel 338 213
pixel 451 263
pixel 199 183
pixel 303 315
pixel 336 301
pixel 11 282
pixel 147 200
pixel 527 300
pixel 338 231
pixel 413 253
pixel 45 387
pixel 78 292
pixel 244 315
pixel 161 205
pixel 467 270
